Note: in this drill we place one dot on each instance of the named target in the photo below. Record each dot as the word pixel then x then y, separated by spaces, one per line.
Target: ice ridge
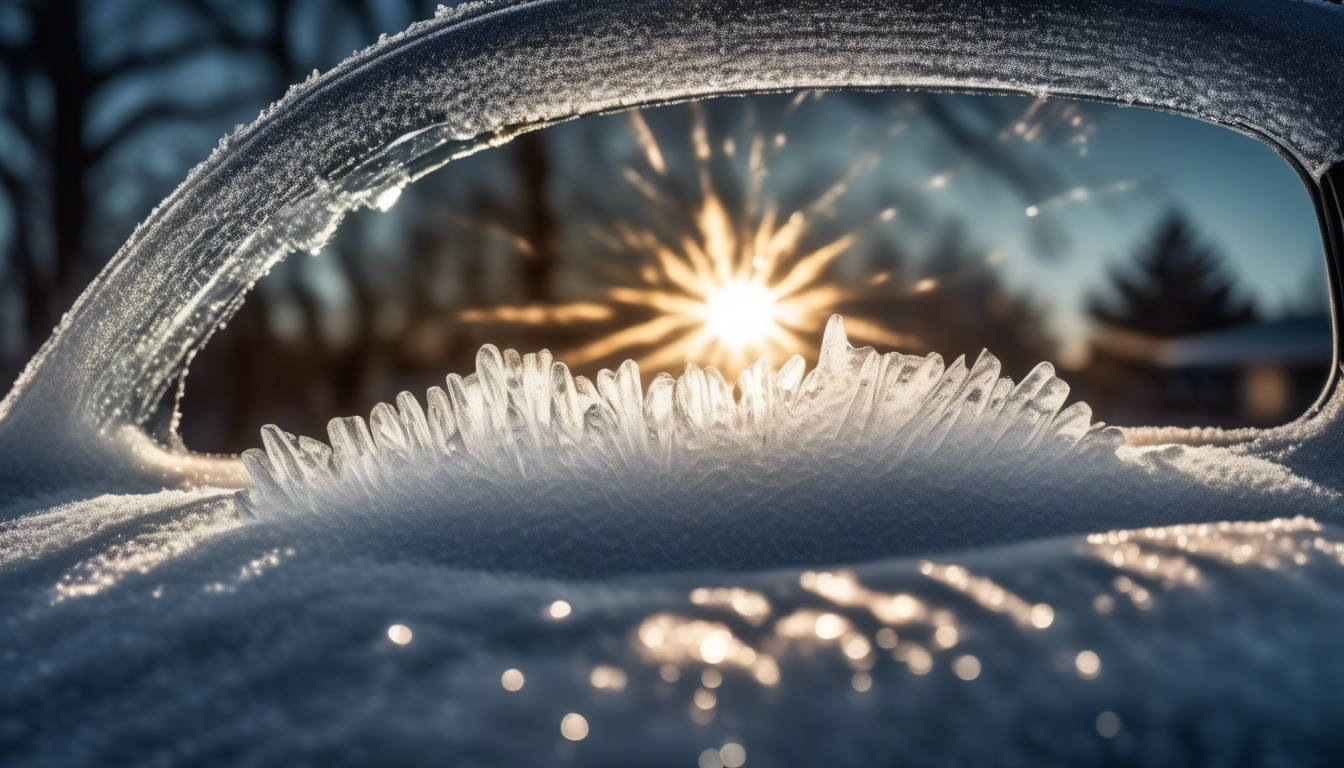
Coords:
pixel 525 417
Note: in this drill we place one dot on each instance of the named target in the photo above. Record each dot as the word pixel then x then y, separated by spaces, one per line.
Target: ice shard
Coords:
pixel 856 407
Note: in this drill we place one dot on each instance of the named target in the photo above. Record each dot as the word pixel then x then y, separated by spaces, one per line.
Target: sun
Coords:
pixel 735 283
pixel 741 315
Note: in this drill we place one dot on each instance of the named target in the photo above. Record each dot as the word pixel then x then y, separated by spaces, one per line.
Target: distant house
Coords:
pixel 1251 374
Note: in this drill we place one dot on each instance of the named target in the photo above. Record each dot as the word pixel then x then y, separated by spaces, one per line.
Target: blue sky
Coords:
pixel 1243 199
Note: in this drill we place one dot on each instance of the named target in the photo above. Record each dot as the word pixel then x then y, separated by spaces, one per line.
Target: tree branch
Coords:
pixel 170 55
pixel 164 112
pixel 1031 183
pixel 13 187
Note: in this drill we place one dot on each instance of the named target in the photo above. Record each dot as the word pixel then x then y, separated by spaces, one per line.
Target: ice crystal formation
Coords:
pixel 523 467
pixel 525 417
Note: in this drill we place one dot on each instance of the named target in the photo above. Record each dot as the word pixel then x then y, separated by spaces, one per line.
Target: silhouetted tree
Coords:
pixel 95 94
pixel 538 264
pixel 1176 287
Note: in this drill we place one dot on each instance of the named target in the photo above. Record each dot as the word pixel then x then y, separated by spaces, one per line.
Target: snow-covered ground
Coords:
pixel 660 577
pixel 176 634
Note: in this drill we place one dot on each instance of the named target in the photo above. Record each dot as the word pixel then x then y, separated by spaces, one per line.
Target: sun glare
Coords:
pixel 741 314
pixel 740 280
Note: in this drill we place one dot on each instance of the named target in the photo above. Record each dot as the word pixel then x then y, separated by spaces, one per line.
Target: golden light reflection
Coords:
pixel 1088 664
pixel 766 671
pixel 1270 544
pixel 607 677
pixel 750 605
pixel 733 755
pixel 1141 597
pixel 807 627
pixel 707 652
pixel 252 569
pixel 142 553
pixel 990 595
pixel 667 639
pixel 675 642
pixel 1168 555
pixel 512 680
pixel 843 588
pixel 915 656
pixel 861 681
pixel 966 667
pixel 574 727
pixel 945 637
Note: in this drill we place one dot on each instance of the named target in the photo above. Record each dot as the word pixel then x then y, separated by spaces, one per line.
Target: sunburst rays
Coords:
pixel 738 283
pixel 724 279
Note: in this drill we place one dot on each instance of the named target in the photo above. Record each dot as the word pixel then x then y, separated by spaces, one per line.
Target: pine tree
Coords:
pixel 1177 287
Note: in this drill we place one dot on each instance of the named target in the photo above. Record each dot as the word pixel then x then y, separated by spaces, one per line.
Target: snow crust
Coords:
pixel 189 639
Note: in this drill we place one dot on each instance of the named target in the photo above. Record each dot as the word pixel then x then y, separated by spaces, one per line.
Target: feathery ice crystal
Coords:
pixel 524 418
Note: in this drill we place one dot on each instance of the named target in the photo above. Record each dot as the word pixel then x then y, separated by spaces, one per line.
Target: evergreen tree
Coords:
pixel 1176 287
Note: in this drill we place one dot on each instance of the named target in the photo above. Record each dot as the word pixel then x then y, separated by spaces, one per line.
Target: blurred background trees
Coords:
pixel 1174 340
pixel 108 103
pixel 1175 286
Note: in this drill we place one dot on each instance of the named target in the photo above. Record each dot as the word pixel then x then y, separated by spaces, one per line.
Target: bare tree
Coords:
pixel 85 82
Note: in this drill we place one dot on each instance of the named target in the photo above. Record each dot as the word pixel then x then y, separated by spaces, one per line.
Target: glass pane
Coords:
pixel 1172 270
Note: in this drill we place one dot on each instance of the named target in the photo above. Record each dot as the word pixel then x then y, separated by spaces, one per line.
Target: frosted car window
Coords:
pixel 475 577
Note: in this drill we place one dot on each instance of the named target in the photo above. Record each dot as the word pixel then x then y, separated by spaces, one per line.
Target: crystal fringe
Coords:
pixel 519 415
